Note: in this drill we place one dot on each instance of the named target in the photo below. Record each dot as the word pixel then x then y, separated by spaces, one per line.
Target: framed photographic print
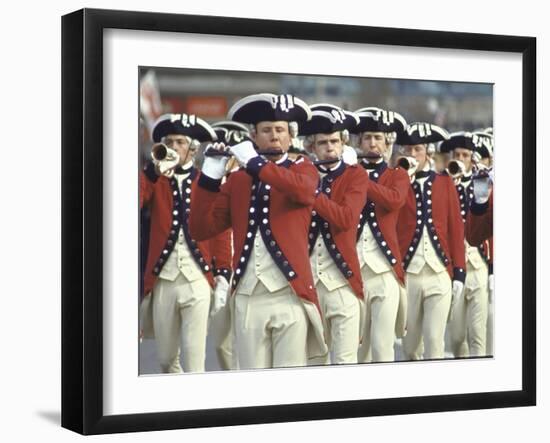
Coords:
pixel 159 229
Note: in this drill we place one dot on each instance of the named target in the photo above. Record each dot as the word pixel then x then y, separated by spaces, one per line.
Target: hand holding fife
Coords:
pixel 349 156
pixel 243 152
pixel 214 165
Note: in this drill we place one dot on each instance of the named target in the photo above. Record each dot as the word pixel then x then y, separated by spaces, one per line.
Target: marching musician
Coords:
pixel 178 276
pixel 479 222
pixel 469 313
pixel 431 237
pixel 377 243
pixel 333 231
pixel 268 205
pixel 220 326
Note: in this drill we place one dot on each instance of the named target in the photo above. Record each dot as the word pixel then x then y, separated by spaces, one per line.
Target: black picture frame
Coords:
pixel 82 218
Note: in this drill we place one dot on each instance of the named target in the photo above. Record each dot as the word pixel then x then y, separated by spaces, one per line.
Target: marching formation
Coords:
pixel 313 235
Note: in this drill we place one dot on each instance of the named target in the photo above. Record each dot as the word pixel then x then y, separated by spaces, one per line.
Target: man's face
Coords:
pixel 373 142
pixel 440 161
pixel 327 146
pixel 272 135
pixel 419 153
pixel 180 144
pixel 465 156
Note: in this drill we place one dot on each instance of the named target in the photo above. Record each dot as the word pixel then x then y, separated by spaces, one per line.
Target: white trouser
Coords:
pixel 381 304
pixel 270 329
pixel 429 300
pixel 180 318
pixel 490 314
pixel 341 310
pixel 221 333
pixel 468 322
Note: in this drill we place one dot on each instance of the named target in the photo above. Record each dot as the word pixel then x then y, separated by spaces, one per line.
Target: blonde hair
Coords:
pixel 309 141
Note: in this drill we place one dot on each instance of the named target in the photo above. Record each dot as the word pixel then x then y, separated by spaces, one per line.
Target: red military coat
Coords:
pixel 336 216
pixel 479 229
pixel 170 211
pixel 479 223
pixel 439 209
pixel 277 199
pixel 388 190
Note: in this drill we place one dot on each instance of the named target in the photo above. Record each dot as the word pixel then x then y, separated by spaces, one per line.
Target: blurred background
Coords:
pixel 455 106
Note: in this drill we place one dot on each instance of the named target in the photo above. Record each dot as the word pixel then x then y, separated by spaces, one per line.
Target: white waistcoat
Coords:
pixel 324 268
pixel 181 259
pixel 425 252
pixel 369 252
pixel 261 267
pixel 473 256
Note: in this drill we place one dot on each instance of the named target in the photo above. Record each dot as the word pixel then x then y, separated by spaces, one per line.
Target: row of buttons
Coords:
pixel 258 216
pixel 368 215
pixel 179 220
pixel 424 218
pixel 465 194
pixel 321 226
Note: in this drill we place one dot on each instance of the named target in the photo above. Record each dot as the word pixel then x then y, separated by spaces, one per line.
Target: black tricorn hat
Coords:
pixel 230 132
pixel 185 124
pixel 380 120
pixel 269 107
pixel 458 140
pixel 326 119
pixel 483 143
pixel 419 133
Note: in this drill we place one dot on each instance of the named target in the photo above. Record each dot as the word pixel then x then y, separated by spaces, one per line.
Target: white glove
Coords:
pixel 491 287
pixel 221 289
pixel 167 165
pixel 482 189
pixel 243 152
pixel 349 156
pixel 458 287
pixel 214 167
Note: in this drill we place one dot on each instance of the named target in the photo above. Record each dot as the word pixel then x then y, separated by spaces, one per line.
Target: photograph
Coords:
pixel 295 220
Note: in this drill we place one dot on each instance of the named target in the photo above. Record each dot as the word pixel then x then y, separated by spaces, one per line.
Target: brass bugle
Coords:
pixel 404 163
pixel 455 168
pixel 165 158
pixel 326 161
pixel 159 151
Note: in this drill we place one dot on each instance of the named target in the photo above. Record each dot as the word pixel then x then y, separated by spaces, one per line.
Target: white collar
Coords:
pixel 187 165
pixel 282 159
pixel 325 170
